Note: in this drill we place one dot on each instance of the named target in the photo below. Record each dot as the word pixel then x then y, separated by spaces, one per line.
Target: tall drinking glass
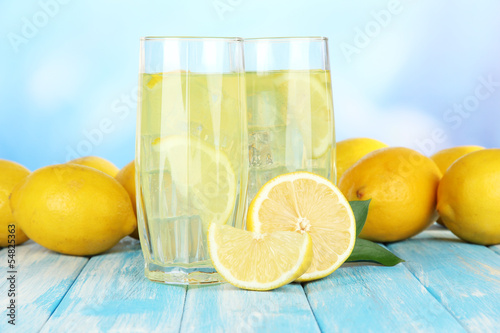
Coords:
pixel 290 108
pixel 191 152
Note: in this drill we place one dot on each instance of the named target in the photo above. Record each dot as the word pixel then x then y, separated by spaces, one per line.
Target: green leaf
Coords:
pixel 365 250
pixel 360 210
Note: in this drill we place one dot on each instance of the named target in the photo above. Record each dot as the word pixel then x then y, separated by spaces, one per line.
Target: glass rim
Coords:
pixel 286 39
pixel 161 38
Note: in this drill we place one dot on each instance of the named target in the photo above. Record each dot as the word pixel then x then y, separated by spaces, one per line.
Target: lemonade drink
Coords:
pixel 290 124
pixel 190 156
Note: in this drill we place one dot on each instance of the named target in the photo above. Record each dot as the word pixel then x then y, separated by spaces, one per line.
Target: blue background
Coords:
pixel 401 70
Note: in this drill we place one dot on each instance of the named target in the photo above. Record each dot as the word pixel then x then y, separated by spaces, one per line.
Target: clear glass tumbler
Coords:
pixel 290 109
pixel 191 152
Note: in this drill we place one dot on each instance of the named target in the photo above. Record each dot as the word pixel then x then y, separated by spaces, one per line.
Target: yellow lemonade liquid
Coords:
pixel 190 152
pixel 290 124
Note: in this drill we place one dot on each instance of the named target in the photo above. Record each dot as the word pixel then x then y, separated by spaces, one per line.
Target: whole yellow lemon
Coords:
pixel 351 150
pixel 11 173
pixel 446 157
pixel 469 197
pixel 98 163
pixel 126 177
pixel 402 186
pixel 73 209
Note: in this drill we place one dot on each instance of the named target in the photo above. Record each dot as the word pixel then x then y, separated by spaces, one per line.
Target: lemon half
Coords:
pixel 305 202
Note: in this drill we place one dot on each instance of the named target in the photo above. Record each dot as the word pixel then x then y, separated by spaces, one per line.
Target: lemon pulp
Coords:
pixel 258 261
pixel 305 202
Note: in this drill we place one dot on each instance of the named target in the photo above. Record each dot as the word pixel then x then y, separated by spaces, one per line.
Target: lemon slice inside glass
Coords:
pixel 308 97
pixel 255 261
pixel 304 202
pixel 202 175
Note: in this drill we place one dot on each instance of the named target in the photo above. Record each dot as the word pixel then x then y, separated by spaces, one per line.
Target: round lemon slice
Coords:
pixel 305 202
pixel 255 261
pixel 201 173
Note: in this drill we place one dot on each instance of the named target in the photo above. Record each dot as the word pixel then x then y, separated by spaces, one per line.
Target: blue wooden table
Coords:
pixel 444 285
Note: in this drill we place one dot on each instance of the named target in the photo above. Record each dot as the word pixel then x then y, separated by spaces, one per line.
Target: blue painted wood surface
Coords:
pixel 495 248
pixel 224 308
pixel 367 297
pixel 444 285
pixel 463 277
pixel 112 295
pixel 43 278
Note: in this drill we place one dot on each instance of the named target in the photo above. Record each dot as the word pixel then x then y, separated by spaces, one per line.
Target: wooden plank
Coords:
pixel 43 278
pixel 3 278
pixel 112 295
pixel 464 277
pixel 126 244
pixel 224 308
pixel 3 266
pixel 495 248
pixel 364 297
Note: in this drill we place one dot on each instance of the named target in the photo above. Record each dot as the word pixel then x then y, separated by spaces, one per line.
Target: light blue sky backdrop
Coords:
pixel 422 74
